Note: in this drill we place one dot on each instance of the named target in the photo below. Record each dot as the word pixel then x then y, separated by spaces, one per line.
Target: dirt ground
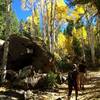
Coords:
pixel 91 92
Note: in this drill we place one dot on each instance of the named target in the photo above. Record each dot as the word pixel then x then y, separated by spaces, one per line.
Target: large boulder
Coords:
pixel 24 51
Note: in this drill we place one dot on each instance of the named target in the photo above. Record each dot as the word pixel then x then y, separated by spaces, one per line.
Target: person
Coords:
pixel 73 81
pixel 82 70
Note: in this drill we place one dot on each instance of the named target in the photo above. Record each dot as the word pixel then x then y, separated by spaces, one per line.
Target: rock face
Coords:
pixel 24 52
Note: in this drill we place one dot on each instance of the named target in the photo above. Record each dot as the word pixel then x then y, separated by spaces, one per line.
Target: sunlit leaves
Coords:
pixel 96 3
pixel 61 40
pixel 36 20
pixel 84 32
pixel 80 33
pixel 61 12
pixel 76 13
pixel 79 9
pixel 64 42
pixel 61 9
pixel 31 20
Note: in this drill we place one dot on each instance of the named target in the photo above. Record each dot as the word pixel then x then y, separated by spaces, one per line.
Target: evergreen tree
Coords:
pixel 14 21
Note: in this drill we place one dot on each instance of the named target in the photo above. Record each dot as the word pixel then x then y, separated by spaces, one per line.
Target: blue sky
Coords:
pixel 20 13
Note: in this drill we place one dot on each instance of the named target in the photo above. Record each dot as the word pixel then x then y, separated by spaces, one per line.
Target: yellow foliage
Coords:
pixel 61 12
pixel 80 33
pixel 35 18
pixel 75 15
pixel 80 9
pixel 61 40
pixel 61 9
pixel 64 43
pixel 74 30
pixel 69 44
pixel 84 32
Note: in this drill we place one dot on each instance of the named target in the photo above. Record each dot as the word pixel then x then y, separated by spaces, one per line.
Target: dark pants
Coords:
pixel 72 83
pixel 70 88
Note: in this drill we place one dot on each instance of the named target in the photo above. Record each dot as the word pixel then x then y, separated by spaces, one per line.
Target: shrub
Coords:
pixel 64 65
pixel 51 80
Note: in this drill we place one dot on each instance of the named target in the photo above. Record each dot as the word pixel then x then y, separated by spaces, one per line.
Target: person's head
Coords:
pixel 75 66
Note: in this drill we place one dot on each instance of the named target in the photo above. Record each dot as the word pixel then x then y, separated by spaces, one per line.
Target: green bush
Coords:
pixel 51 80
pixel 64 66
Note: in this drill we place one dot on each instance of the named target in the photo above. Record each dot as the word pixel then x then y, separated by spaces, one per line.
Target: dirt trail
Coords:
pixel 92 87
pixel 91 92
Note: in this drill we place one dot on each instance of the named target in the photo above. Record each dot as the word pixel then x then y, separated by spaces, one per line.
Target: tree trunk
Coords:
pixel 42 19
pixel 98 30
pixel 47 20
pixel 91 43
pixel 83 49
pixel 91 40
pixel 92 47
pixel 6 45
pixel 54 32
pixel 51 28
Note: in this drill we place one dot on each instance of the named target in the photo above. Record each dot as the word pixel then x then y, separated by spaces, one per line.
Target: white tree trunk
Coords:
pixel 92 47
pixel 83 49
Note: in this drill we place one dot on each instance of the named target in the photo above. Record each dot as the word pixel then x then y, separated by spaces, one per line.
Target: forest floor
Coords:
pixel 91 92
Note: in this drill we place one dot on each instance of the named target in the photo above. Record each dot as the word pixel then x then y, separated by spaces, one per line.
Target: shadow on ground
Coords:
pixel 11 95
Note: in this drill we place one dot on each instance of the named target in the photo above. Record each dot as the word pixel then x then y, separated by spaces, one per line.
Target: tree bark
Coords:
pixel 92 47
pixel 83 49
pixel 6 45
pixel 91 40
